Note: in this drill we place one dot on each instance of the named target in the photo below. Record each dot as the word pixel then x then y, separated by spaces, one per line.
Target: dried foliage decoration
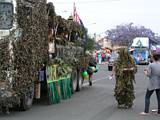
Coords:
pixel 29 51
pixel 124 72
pixel 65 31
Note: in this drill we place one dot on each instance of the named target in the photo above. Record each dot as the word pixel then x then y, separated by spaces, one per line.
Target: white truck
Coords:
pixel 141 50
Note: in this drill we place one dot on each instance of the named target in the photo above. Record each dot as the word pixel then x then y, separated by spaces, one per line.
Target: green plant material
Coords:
pixel 63 68
pixel 29 51
pixel 124 73
pixel 66 30
pixel 90 43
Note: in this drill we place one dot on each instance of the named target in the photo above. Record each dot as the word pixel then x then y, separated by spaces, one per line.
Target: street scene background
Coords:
pixel 46 56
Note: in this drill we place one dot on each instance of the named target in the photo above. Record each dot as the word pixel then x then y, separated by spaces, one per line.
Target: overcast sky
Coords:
pixel 101 15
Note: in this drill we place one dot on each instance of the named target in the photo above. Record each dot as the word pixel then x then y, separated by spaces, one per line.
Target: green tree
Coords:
pixel 125 33
pixel 90 43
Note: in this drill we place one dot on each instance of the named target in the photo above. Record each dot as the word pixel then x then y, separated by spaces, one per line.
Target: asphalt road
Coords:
pixel 92 103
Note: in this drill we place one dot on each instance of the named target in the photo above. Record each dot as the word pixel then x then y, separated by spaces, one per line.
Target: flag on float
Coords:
pixel 78 20
pixel 76 17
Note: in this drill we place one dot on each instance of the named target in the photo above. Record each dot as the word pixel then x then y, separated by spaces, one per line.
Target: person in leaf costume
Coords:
pixel 125 69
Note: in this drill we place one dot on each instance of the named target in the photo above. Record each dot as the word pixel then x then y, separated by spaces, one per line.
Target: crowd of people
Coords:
pixel 102 55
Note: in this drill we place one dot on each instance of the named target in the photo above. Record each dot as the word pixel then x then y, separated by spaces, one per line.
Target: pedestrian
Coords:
pixel 99 58
pixel 103 57
pixel 153 72
pixel 150 59
pixel 92 64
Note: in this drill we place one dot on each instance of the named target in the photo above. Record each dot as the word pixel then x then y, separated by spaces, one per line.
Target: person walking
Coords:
pixel 153 72
pixel 99 58
pixel 124 70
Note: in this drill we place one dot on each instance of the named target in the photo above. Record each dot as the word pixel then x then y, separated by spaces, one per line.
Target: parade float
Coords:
pixel 42 54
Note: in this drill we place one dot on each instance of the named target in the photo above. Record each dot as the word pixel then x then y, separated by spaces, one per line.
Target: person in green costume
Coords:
pixel 125 69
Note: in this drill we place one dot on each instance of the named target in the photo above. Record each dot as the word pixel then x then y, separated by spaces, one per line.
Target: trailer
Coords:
pixel 32 39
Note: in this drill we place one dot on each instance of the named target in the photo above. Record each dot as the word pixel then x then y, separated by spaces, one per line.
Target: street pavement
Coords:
pixel 95 102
